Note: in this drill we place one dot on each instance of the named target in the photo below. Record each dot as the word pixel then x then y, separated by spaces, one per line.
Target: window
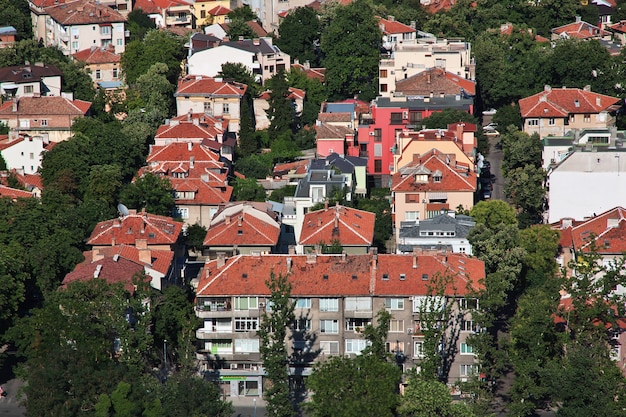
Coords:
pixel 551 121
pixel 202 14
pixel 358 303
pixel 412 198
pixel 396 118
pixel 382 73
pixel 225 108
pixel 533 122
pixel 466 349
pixel 246 324
pixel 396 326
pixel 329 304
pixel 415 117
pixel 246 303
pixel 44 122
pixel 98 74
pixel 418 349
pixel 468 304
pixel 394 303
pixel 355 345
pixel 32 155
pixel 28 89
pixel 427 304
pixel 182 15
pixel 356 325
pixel 378 135
pixel 303 303
pixel 329 348
pixel 587 118
pixel 75 45
pixel 120 42
pixel 105 30
pixel 378 150
pixel 207 106
pixel 383 88
pixel 378 165
pixel 246 345
pixel 437 178
pixel 412 216
pixel 115 73
pixel 468 370
pixel 220 346
pixel 329 326
pixel 302 325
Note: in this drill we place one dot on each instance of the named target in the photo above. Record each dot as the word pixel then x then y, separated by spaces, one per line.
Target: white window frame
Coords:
pixel 394 303
pixel 248 303
pixel 356 345
pixel 329 304
pixel 466 349
pixel 358 304
pixel 396 326
pixel 329 326
pixel 303 303
pixel 246 324
pixel 329 347
pixel 466 370
pixel 246 345
pixel 423 303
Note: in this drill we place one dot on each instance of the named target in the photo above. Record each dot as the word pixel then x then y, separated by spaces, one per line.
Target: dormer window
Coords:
pixel 421 177
pixel 437 176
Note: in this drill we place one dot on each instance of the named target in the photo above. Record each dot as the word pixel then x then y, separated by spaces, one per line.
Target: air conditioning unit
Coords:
pixel 233 366
pixel 405 115
pixel 261 305
pixel 372 134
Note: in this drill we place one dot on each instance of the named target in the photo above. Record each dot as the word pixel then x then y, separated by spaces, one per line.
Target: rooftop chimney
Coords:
pixel 145 256
pixel 221 259
pixel 292 249
pixel 414 259
pixel 311 258
pixel 289 264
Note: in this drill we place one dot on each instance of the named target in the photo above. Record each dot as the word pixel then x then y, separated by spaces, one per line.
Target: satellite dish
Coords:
pixel 122 209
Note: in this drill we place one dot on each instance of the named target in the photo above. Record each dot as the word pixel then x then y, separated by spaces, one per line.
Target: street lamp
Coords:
pixel 165 355
pixel 254 407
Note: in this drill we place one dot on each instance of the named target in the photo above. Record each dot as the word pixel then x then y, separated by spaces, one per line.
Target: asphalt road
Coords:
pixel 495 157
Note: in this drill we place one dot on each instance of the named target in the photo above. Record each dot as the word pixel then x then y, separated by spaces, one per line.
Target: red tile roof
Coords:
pixel 83 12
pixel 581 30
pixel 112 270
pixel 46 105
pixel 294 94
pixel 182 151
pixel 389 27
pixel 453 176
pixel 328 131
pixel 211 193
pixel 606 230
pixel 14 193
pixel 619 26
pixel 351 227
pixel 157 230
pixel 560 102
pixel 243 224
pixel 187 130
pixel 203 85
pixel 219 11
pixel 435 80
pixel 28 181
pixel 292 168
pixel 95 55
pixel 436 6
pixel 155 6
pixel 336 275
pixel 159 260
pixel 313 73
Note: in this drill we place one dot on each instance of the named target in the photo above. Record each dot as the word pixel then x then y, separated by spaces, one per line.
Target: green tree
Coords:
pixel 16 13
pixel 237 71
pixel 254 166
pixel 493 214
pixel 273 333
pixel 441 120
pixel 520 149
pixel 426 398
pixel 299 35
pixel 196 233
pixel 105 182
pixel 150 192
pixel 248 144
pixel 157 46
pixel 282 192
pixel 154 90
pixel 280 113
pixel 238 28
pixel 138 23
pixel 185 394
pixel 315 94
pixel 508 115
pixel 248 189
pixel 351 45
pixel 243 13
pixel 379 203
pixel 524 187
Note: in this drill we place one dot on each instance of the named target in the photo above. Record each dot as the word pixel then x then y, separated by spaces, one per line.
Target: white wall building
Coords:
pixel 23 153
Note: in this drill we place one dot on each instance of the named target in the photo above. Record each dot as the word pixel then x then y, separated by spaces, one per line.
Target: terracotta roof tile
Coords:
pixel 606 230
pixel 14 193
pixel 157 230
pixel 335 117
pixel 219 11
pixel 242 224
pixel 82 12
pixel 389 27
pixel 46 105
pixel 203 85
pixel 156 6
pixel 95 55
pixel 453 178
pixel 437 81
pixel 313 73
pixel 294 168
pixel 351 227
pixel 559 102
pixel 580 30
pixel 328 131
pixel 112 270
pixel 187 130
pixel 159 260
pixel 335 275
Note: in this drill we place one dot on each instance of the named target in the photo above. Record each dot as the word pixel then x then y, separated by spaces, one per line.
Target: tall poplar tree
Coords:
pixel 280 113
pixel 273 334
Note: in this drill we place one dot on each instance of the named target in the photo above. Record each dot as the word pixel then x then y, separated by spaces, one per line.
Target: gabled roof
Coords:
pixel 390 27
pixel 345 164
pixel 580 30
pixel 208 86
pixel 28 73
pixel 342 276
pixel 181 152
pixel 291 168
pixel 243 224
pixel 185 129
pixel 313 73
pixel 252 24
pixel 560 102
pixel 294 94
pixel 351 227
pixel 95 55
pixel 46 105
pixel 607 231
pixel 14 193
pixel 219 11
pixel 453 176
pixel 207 191
pixel 155 229
pixel 437 81
pixel 254 46
pixel 158 260
pixel 436 6
pixel 155 6
pixel 83 12
pixel 619 27
pixel 29 181
pixel 328 131
pixel 112 269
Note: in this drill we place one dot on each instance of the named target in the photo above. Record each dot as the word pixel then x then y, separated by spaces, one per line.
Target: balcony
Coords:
pixel 213 310
pixel 178 20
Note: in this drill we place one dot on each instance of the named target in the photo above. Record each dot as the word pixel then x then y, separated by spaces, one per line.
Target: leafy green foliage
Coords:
pixel 244 13
pixel 196 234
pixel 493 214
pixel 281 112
pixel 16 13
pixel 185 394
pixel 151 192
pixel 272 333
pixel 425 398
pixel 379 203
pixel 280 194
pixel 315 94
pixel 524 187
pixel 239 72
pixel 299 35
pixel 248 189
pixel 508 115
pixel 158 46
pixel 254 166
pixel 351 45
pixel 138 23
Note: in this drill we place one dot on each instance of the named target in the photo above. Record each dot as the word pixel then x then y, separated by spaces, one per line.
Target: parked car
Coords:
pixel 486 193
pixel 491 129
pixel 486 165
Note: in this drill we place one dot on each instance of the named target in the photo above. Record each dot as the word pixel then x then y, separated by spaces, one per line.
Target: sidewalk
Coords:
pixel 245 406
